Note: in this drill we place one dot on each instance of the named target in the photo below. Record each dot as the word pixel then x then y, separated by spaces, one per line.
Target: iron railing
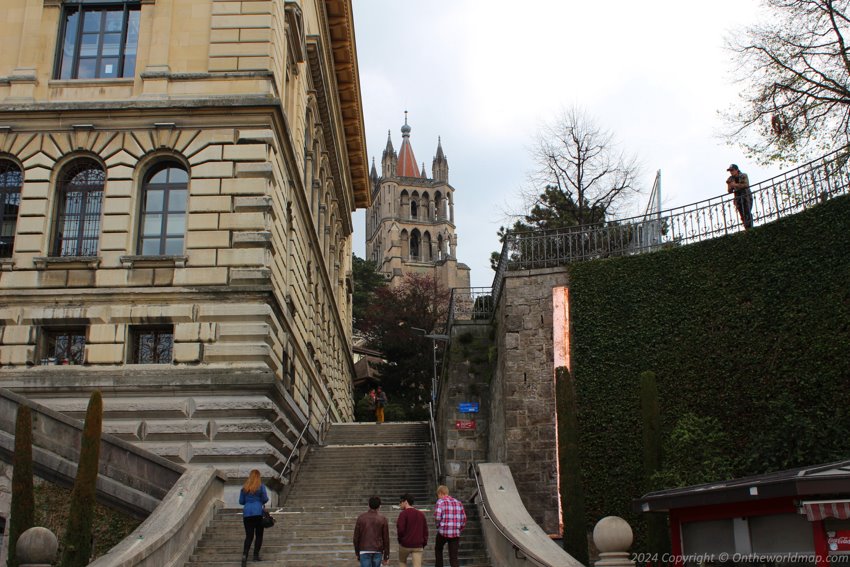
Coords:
pixel 784 195
pixel 285 473
pixel 470 303
pixel 435 452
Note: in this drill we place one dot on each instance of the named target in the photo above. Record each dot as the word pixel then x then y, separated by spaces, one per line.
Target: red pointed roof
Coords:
pixel 406 160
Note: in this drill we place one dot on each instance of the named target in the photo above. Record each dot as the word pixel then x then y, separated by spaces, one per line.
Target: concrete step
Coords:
pixel 316 523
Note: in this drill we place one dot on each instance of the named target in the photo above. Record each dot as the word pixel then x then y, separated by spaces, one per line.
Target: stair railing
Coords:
pixel 435 453
pixel 294 451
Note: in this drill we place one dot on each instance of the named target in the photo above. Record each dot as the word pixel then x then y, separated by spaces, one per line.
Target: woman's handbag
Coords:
pixel 268 520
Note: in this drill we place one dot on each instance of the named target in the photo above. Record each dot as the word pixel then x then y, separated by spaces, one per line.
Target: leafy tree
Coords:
pixel 367 281
pixel 23 507
pixel 418 301
pixel 584 177
pixel 795 75
pixel 77 544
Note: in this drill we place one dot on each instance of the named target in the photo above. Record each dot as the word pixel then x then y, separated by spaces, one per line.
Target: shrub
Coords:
pixel 22 511
pixel 77 543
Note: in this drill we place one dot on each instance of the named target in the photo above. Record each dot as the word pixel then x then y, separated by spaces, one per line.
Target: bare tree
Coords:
pixel 581 177
pixel 795 75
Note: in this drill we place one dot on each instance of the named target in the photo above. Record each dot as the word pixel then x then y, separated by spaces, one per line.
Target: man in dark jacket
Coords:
pixel 372 536
pixel 412 529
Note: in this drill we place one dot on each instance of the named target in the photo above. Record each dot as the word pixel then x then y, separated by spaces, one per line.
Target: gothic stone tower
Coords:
pixel 410 224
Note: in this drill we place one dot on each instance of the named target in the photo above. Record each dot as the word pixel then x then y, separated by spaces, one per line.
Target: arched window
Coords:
pixel 162 223
pixel 414 245
pixel 414 209
pixel 11 180
pixel 78 208
pixel 426 247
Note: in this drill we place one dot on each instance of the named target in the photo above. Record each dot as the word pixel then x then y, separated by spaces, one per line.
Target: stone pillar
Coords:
pixel 613 537
pixel 37 547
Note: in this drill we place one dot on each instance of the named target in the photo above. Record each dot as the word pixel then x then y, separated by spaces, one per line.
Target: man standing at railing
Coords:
pixel 739 183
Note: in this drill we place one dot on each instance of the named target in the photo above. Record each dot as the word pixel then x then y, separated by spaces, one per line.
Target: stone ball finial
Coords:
pixel 612 534
pixel 37 546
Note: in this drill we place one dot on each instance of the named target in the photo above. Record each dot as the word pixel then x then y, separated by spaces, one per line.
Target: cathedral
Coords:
pixel 410 226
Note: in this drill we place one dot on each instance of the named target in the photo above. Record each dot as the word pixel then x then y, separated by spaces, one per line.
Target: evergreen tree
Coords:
pixel 572 491
pixel 658 540
pixel 23 507
pixel 77 544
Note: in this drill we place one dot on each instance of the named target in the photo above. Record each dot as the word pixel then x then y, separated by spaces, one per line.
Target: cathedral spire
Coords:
pixel 389 159
pixel 440 165
pixel 406 160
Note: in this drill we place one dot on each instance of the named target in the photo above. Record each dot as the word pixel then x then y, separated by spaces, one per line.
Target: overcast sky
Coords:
pixel 485 74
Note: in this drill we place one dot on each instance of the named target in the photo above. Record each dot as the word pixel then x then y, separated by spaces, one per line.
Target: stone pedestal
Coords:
pixel 613 537
pixel 37 547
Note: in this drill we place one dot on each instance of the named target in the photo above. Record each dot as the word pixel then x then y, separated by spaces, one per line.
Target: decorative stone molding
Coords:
pixel 66 262
pixel 130 262
pixel 252 239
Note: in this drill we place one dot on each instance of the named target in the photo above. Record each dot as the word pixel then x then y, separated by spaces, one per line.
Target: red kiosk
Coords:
pixel 799 516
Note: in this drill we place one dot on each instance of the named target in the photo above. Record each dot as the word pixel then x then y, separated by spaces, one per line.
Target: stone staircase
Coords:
pixel 316 524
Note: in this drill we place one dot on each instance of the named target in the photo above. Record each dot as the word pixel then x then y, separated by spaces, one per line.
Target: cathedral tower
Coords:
pixel 410 224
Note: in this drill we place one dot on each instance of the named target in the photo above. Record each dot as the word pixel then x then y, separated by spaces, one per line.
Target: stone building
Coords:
pixel 410 225
pixel 177 179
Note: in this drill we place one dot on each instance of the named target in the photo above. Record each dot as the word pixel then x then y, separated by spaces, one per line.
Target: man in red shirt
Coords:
pixel 412 529
pixel 451 519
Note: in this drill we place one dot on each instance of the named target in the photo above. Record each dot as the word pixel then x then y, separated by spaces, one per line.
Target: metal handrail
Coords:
pixel 780 196
pixel 300 437
pixel 487 516
pixel 470 303
pixel 435 454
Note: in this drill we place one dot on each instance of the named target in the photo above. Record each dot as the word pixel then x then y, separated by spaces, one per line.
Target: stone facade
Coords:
pixel 410 224
pixel 523 428
pixel 255 107
pixel 465 380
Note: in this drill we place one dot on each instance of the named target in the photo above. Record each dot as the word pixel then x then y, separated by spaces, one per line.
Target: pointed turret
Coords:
pixel 440 165
pixel 406 160
pixel 373 176
pixel 423 174
pixel 389 160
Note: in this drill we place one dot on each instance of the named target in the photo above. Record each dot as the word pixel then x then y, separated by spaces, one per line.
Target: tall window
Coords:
pixel 151 345
pixel 163 218
pixel 63 345
pixel 11 180
pixel 99 39
pixel 78 209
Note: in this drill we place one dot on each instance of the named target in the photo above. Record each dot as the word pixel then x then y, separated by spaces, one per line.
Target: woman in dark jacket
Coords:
pixel 253 497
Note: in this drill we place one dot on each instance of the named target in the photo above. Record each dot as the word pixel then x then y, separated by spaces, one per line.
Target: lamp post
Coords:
pixel 434 338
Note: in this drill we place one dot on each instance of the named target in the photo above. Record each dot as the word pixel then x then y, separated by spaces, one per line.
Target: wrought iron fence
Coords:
pixel 470 303
pixel 786 194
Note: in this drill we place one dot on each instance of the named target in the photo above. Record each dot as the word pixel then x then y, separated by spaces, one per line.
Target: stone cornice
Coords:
pixel 344 48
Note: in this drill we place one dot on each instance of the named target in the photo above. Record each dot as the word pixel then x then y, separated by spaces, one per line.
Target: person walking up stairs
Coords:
pixel 316 523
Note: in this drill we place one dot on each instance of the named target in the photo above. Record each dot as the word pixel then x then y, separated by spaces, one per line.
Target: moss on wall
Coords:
pixel 752 330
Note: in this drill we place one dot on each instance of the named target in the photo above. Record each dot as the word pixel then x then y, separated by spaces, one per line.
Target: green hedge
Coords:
pixel 752 330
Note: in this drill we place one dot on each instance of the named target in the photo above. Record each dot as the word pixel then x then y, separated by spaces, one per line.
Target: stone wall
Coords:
pixel 258 103
pixel 5 507
pixel 465 379
pixel 523 412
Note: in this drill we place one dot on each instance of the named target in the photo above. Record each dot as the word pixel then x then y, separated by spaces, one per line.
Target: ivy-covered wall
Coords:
pixel 750 331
